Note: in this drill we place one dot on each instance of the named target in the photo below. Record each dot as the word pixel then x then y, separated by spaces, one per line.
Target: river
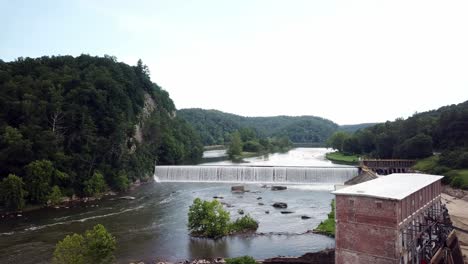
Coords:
pixel 153 225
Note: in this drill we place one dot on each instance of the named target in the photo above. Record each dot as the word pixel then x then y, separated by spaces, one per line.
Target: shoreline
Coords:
pixel 73 201
pixel 456 201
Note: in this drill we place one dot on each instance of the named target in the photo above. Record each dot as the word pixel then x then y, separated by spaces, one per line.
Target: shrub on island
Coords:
pixel 209 219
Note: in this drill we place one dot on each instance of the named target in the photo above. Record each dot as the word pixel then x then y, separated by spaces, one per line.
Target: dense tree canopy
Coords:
pixel 215 126
pixel 444 130
pixel 64 119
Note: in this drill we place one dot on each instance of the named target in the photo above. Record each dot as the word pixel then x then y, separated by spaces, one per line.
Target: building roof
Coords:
pixel 394 186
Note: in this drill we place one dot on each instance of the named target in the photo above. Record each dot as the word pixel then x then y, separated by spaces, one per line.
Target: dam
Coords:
pixel 256 174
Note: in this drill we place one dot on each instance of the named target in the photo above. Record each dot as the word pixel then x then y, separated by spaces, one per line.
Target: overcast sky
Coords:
pixel 348 61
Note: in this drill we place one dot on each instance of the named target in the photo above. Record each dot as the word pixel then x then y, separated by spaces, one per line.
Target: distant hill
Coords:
pixel 215 126
pixel 356 127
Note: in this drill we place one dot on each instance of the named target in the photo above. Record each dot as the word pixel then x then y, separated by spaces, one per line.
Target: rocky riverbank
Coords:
pixel 326 256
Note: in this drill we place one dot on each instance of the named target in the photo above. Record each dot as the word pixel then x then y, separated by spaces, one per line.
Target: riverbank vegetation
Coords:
pixel 83 125
pixel 241 260
pixel 246 143
pixel 215 127
pixel 443 131
pixel 96 246
pixel 327 227
pixel 342 158
pixel 210 220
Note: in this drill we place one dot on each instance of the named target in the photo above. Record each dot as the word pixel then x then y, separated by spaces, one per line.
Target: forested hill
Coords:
pixel 215 126
pixel 74 122
pixel 443 130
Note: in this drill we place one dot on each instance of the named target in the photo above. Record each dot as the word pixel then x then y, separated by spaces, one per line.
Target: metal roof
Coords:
pixel 394 186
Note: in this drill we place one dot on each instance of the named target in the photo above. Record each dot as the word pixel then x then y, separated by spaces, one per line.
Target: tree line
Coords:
pixel 215 127
pixel 443 131
pixel 79 125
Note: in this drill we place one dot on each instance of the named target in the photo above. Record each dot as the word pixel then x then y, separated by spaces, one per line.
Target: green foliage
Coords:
pixel 208 219
pixel 215 126
pixel 444 130
pixel 327 226
pixel 97 246
pixel 343 158
pixel 336 141
pixel 55 196
pixel 39 175
pixel 121 182
pixel 241 260
pixel 100 245
pixel 235 147
pixel 12 192
pixel 71 250
pixel 95 185
pixel 64 117
pixel 244 223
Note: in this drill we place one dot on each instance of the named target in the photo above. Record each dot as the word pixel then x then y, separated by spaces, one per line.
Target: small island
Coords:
pixel 209 220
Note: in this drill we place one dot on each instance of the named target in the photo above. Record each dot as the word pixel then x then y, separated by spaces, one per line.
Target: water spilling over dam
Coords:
pixel 257 174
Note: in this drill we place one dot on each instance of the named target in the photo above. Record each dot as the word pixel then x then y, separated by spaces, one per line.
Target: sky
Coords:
pixel 348 61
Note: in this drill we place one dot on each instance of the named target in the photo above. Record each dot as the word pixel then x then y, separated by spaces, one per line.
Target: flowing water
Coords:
pixel 153 225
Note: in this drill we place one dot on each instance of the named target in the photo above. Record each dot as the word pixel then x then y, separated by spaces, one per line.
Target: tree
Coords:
pixel 419 146
pixel 100 245
pixel 95 185
pixel 55 195
pixel 235 147
pixel 208 219
pixel 38 176
pixel 12 192
pixel 97 246
pixel 71 250
pixel 336 140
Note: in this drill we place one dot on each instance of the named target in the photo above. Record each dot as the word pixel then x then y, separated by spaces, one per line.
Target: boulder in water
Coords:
pixel 127 198
pixel 287 212
pixel 259 198
pixel 238 188
pixel 261 204
pixel 267 212
pixel 218 197
pixel 304 217
pixel 278 188
pixel 280 205
pixel 240 211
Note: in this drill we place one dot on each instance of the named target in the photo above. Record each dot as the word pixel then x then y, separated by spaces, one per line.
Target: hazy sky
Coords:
pixel 349 61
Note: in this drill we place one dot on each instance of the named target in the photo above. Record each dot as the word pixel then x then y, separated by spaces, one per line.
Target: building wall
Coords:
pixel 374 230
pixel 366 230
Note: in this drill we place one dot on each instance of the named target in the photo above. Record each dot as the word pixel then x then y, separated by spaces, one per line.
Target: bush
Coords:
pixel 97 246
pixel 244 223
pixel 71 250
pixel 457 182
pixel 122 183
pixel 95 185
pixel 252 146
pixel 12 192
pixel 241 260
pixel 208 219
pixel 55 196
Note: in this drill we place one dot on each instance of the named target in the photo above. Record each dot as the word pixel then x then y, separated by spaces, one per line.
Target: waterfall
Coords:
pixel 257 174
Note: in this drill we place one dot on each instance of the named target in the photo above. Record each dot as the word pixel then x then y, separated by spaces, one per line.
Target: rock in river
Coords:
pixel 278 188
pixel 280 205
pixel 238 188
pixel 287 212
pixel 305 217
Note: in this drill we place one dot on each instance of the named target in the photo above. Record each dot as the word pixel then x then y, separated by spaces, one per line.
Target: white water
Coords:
pixel 255 174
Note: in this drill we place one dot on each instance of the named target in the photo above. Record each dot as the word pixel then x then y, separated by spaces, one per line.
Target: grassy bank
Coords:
pixel 457 178
pixel 342 158
pixel 327 227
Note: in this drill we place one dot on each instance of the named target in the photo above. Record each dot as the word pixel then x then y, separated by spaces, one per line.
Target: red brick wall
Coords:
pixel 367 226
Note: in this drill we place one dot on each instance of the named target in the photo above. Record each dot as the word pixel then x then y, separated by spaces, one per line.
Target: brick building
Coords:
pixel 392 219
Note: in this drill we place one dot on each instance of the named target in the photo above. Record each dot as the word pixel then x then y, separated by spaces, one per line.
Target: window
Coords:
pixel 351 202
pixel 378 204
